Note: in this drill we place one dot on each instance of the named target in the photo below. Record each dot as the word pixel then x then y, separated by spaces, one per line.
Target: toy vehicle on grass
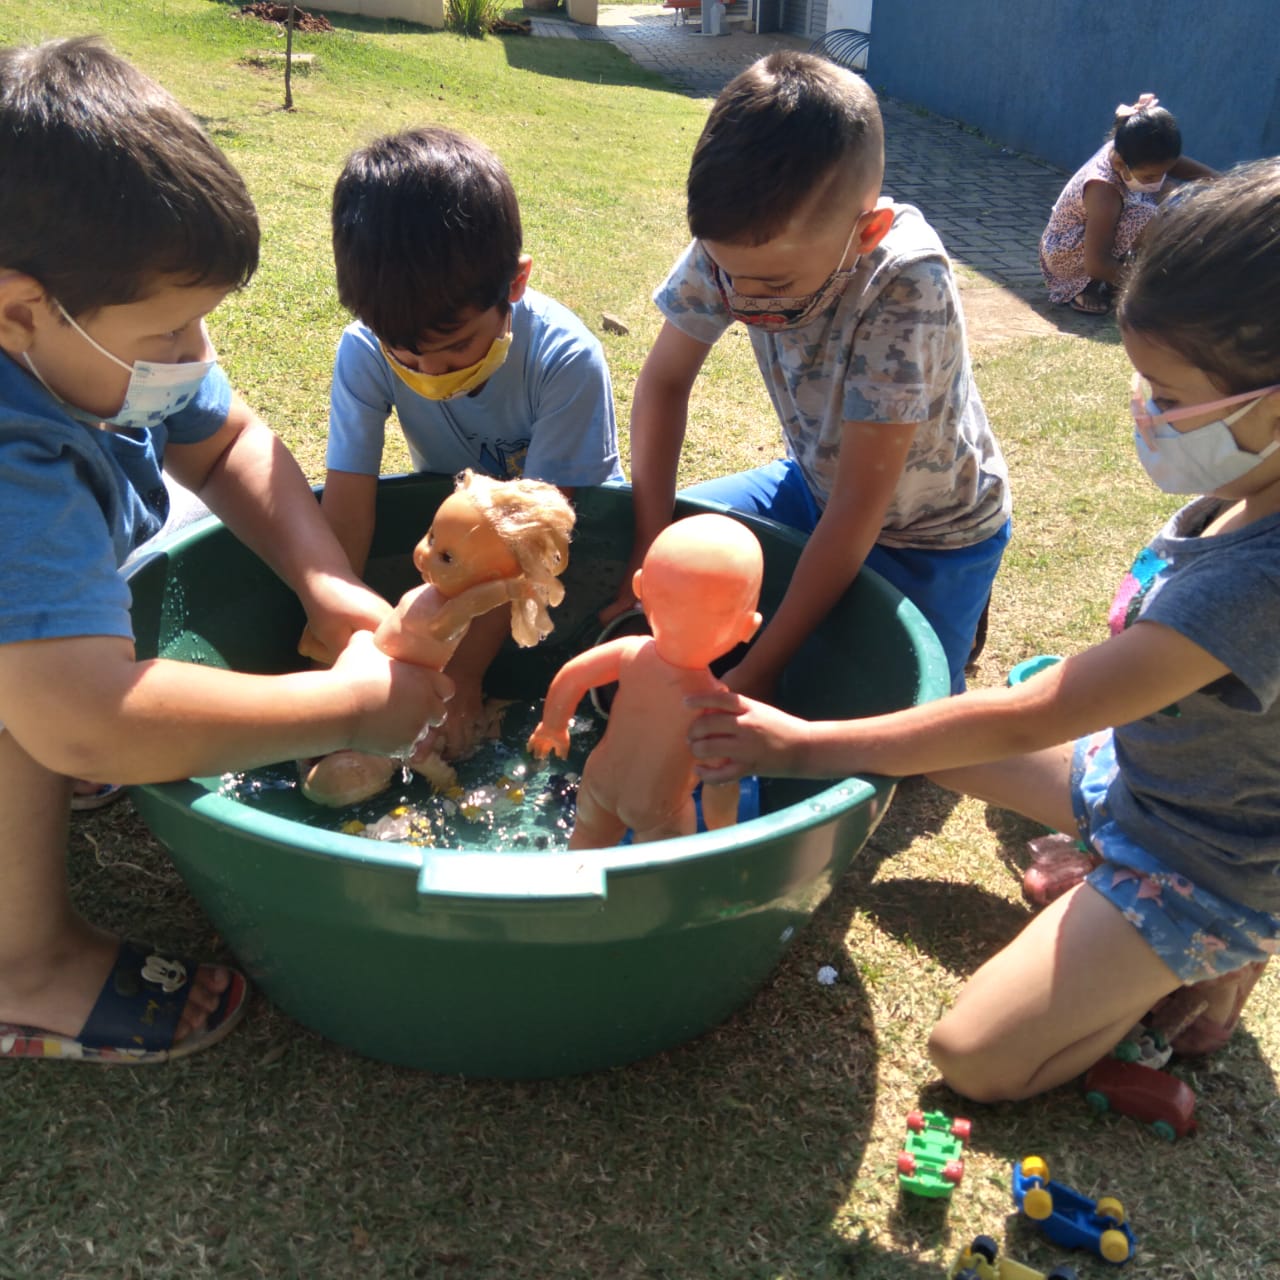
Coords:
pixel 1154 1097
pixel 1069 1218
pixel 931 1162
pixel 980 1260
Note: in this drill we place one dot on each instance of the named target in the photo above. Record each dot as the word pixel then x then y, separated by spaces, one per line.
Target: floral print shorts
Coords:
pixel 1197 933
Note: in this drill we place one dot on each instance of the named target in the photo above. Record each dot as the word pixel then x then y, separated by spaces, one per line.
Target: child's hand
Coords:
pixel 336 609
pixel 309 646
pixel 465 717
pixel 393 701
pixel 543 742
pixel 735 736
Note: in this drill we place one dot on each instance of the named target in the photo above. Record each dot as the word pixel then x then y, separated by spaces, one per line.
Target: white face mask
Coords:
pixel 1149 187
pixel 1200 461
pixel 156 391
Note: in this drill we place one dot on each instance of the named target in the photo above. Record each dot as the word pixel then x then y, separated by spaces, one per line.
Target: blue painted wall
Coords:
pixel 1044 76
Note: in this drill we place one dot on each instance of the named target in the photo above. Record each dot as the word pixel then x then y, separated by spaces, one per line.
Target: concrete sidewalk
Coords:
pixel 988 204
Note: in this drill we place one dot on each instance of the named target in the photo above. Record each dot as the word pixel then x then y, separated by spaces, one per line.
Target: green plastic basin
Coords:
pixel 527 964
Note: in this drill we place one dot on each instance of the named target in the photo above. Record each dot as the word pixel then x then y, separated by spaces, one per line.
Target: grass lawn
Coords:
pixel 766 1148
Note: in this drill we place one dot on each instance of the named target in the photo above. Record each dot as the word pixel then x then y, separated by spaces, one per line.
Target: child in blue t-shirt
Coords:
pixel 1161 745
pixel 106 375
pixel 481 371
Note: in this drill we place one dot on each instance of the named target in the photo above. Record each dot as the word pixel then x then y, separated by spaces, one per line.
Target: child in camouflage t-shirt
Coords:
pixel 856 325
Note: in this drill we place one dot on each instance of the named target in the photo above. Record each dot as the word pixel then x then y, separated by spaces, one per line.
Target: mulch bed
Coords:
pixel 279 13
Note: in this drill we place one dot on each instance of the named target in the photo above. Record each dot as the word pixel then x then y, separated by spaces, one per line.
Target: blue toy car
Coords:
pixel 1069 1218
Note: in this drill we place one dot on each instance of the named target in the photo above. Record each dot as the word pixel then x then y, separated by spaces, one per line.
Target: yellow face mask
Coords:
pixel 447 386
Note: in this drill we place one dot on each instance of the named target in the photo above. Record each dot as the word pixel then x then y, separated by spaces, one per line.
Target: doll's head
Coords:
pixel 490 529
pixel 699 586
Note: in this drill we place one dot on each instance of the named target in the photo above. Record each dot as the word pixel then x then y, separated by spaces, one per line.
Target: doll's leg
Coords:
pixel 682 822
pixel 720 804
pixel 597 825
pixel 1055 1000
pixel 52 962
pixel 346 777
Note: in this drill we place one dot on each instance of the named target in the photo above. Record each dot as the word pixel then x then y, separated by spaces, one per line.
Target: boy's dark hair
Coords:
pixel 1207 277
pixel 1148 135
pixel 425 227
pixel 108 183
pixel 779 132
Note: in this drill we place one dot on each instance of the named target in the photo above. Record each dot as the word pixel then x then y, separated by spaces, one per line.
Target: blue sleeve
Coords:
pixel 574 437
pixel 58 574
pixel 360 401
pixel 206 412
pixel 1242 585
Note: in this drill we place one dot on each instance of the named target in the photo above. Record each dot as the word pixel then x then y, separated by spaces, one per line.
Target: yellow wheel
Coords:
pixel 1034 1167
pixel 1110 1207
pixel 1114 1246
pixel 1037 1204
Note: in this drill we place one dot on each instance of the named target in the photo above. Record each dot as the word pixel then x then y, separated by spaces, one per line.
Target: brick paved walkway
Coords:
pixel 987 203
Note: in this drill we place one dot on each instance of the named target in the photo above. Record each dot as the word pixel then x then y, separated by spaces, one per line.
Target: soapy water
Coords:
pixel 504 800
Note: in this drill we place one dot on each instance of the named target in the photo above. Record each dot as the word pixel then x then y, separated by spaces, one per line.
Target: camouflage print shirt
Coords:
pixel 891 348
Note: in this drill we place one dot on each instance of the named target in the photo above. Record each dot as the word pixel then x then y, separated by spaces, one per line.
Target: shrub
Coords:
pixel 474 17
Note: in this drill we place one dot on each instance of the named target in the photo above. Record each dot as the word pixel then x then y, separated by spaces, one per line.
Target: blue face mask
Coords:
pixel 156 391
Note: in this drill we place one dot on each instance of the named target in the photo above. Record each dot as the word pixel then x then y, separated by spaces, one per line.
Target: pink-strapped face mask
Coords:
pixel 1147 416
pixel 785 313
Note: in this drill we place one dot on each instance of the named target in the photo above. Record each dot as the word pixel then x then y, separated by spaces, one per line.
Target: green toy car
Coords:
pixel 931 1162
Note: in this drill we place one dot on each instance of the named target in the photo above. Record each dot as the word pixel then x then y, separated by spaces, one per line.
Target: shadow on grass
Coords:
pixel 280 1153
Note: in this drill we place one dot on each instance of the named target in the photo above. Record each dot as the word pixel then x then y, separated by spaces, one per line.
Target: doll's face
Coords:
pixel 699 587
pixel 462 549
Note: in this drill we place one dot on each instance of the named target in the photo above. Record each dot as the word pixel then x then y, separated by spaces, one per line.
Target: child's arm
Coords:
pixel 659 414
pixel 588 670
pixel 1102 208
pixel 872 456
pixel 84 707
pixel 1189 170
pixel 245 475
pixel 349 503
pixel 1135 674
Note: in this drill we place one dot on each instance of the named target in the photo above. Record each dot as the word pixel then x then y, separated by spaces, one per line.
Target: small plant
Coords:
pixel 474 17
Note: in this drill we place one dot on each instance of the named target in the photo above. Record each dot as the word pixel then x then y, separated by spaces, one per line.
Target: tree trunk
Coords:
pixel 288 59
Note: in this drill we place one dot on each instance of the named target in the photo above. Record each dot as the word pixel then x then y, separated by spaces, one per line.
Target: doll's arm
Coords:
pixel 425 628
pixel 594 667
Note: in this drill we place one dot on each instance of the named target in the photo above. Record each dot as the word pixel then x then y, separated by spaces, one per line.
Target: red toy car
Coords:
pixel 1154 1097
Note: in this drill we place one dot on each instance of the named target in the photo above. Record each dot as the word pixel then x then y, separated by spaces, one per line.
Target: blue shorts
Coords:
pixel 1198 934
pixel 950 587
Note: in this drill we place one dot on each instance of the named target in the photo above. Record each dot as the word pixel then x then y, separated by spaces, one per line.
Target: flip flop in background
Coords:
pixel 101 796
pixel 136 1015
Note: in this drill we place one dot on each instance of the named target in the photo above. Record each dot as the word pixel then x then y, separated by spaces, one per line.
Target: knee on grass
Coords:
pixel 973 1067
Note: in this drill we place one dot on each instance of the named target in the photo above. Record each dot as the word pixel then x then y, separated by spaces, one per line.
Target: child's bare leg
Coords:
pixel 720 804
pixel 1037 785
pixel 52 962
pixel 1054 1001
pixel 597 825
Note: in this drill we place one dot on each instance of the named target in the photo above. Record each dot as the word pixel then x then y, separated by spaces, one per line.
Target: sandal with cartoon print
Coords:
pixel 136 1015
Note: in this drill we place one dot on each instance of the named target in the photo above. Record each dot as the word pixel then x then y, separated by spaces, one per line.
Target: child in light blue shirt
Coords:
pixel 481 371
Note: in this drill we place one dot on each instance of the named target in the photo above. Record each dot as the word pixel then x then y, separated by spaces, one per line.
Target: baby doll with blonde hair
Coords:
pixel 492 542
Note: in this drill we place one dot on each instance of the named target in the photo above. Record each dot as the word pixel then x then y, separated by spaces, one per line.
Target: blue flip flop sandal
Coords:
pixel 135 1016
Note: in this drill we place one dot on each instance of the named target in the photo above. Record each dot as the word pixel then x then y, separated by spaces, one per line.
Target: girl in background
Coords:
pixel 1097 221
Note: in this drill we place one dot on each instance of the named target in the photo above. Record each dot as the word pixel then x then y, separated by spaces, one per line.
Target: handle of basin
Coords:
pixel 521 877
